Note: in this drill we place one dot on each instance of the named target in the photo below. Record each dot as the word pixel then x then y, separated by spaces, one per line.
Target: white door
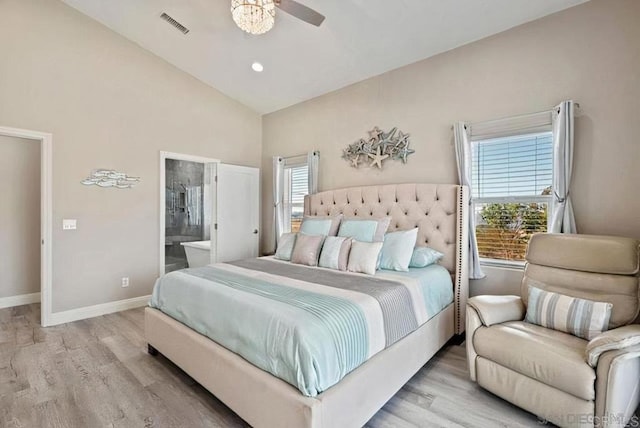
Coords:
pixel 235 229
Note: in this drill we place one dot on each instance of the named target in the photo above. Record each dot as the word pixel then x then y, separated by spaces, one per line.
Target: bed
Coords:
pixel 264 400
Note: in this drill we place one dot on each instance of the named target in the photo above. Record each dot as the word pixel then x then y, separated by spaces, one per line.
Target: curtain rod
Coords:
pixel 520 116
pixel 315 152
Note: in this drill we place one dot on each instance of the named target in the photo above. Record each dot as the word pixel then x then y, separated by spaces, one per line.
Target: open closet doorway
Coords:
pixel 25 215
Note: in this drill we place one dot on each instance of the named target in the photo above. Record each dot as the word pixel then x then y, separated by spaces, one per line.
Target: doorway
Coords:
pixel 186 219
pixel 209 211
pixel 28 193
pixel 185 208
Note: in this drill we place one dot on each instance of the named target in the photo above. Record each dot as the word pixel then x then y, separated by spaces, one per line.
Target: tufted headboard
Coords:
pixel 438 210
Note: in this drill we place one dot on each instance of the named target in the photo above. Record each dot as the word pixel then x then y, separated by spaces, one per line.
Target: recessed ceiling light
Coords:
pixel 257 67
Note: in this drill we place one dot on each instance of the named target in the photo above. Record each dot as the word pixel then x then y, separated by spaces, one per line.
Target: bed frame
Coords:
pixel 440 212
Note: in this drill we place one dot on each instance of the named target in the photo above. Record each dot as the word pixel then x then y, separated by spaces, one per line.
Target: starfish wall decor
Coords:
pixel 380 146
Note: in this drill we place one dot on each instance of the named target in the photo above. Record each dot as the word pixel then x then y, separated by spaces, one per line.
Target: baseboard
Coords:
pixel 97 310
pixel 22 299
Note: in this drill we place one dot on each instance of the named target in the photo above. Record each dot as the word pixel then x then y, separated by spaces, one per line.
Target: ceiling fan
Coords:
pixel 300 11
pixel 258 16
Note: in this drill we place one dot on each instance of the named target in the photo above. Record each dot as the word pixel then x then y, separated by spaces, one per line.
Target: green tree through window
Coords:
pixel 507 227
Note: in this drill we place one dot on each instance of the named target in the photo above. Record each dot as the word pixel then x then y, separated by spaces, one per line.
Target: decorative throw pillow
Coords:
pixel 335 252
pixel 397 249
pixel 424 256
pixel 580 317
pixel 365 229
pixel 319 225
pixel 285 246
pixel 307 249
pixel 364 256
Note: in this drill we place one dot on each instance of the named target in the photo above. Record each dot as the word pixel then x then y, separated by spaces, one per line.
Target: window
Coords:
pixel 296 187
pixel 511 190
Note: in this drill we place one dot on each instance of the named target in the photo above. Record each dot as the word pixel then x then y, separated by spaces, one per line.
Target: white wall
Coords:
pixel 19 216
pixel 589 53
pixel 108 104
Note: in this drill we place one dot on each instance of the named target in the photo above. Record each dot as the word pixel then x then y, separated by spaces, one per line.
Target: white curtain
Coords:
pixel 313 160
pixel 278 198
pixel 464 158
pixel 562 218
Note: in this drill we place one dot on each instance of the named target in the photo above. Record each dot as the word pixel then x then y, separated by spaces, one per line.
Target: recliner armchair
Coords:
pixel 559 377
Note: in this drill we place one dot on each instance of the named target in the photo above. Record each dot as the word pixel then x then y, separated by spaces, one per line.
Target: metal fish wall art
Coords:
pixel 110 178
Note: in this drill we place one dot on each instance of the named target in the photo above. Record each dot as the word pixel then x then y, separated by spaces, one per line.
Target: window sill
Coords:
pixel 503 264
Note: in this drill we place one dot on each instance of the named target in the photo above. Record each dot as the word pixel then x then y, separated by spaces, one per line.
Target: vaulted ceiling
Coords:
pixel 359 39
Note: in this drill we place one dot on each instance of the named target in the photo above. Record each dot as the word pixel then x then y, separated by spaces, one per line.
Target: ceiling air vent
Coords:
pixel 170 20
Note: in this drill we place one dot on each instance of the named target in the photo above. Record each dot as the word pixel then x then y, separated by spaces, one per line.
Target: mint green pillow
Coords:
pixel 360 230
pixel 317 225
pixel 364 229
pixel 397 250
pixel 424 256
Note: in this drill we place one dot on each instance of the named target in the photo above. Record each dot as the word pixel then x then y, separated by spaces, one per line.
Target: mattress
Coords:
pixel 308 326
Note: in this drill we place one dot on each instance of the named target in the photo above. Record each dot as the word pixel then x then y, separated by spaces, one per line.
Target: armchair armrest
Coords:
pixel 617 339
pixel 498 309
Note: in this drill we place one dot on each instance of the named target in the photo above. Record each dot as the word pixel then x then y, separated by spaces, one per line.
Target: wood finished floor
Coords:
pixel 96 373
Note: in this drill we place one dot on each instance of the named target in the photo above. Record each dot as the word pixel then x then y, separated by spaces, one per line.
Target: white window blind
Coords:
pixel 299 183
pixel 296 188
pixel 512 166
pixel 511 182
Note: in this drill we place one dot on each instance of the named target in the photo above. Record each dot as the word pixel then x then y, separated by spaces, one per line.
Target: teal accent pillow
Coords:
pixel 424 256
pixel 316 226
pixel 397 250
pixel 360 230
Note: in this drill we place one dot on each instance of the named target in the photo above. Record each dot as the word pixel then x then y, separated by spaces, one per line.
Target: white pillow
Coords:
pixel 397 249
pixel 285 246
pixel 335 252
pixel 364 257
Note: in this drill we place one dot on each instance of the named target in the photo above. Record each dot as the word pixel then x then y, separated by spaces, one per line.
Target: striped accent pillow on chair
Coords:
pixel 579 317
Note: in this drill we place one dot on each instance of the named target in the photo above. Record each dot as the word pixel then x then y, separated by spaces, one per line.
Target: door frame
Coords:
pixel 46 214
pixel 163 157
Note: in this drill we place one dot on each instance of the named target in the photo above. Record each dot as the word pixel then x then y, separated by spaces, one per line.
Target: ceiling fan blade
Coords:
pixel 301 11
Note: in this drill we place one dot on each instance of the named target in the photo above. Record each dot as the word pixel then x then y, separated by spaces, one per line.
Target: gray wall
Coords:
pixel 589 53
pixel 19 216
pixel 108 104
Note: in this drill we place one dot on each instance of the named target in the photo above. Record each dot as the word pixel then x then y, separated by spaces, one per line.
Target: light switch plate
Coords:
pixel 69 224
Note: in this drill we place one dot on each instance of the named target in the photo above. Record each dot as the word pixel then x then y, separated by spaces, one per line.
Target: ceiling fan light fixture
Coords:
pixel 253 16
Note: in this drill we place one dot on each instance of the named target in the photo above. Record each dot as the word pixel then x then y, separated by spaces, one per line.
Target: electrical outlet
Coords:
pixel 125 281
